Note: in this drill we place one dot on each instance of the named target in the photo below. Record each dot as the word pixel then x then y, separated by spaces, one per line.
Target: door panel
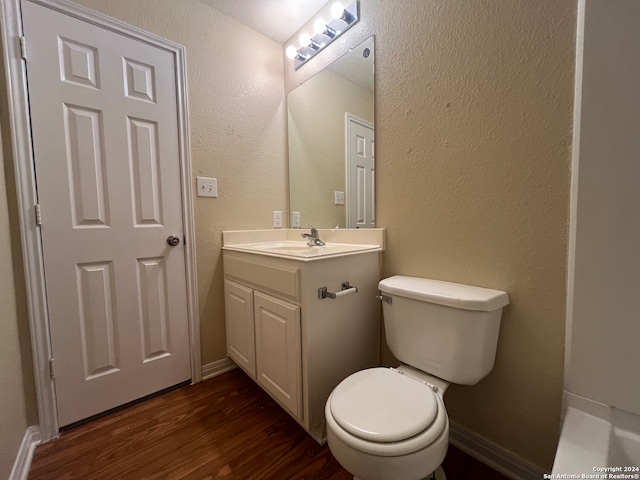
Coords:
pixel 85 144
pixel 106 150
pixel 97 322
pixel 145 165
pixel 154 324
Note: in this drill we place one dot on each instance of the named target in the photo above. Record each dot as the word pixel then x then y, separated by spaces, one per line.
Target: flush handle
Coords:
pixel 384 298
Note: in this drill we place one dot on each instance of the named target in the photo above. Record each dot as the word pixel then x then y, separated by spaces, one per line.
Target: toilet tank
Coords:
pixel 446 329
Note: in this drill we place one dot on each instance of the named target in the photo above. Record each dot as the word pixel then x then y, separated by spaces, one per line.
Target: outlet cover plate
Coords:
pixel 295 220
pixel 277 219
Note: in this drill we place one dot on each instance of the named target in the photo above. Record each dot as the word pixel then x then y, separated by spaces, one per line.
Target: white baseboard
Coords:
pixel 216 368
pixel 22 463
pixel 490 454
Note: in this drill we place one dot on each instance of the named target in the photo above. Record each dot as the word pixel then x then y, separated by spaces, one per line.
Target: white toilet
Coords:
pixel 391 424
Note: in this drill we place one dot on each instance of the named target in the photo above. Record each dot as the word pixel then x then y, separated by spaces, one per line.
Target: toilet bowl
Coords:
pixel 391 424
pixel 400 432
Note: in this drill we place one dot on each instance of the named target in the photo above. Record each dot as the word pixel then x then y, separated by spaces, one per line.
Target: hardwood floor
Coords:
pixel 223 428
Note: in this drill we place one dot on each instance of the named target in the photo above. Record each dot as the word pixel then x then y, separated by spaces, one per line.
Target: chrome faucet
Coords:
pixel 313 238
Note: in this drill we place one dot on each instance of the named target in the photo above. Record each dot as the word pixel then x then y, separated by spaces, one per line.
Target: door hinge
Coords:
pixel 52 368
pixel 23 47
pixel 38 214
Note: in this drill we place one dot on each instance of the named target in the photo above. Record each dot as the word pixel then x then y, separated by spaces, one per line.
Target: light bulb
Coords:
pixel 305 39
pixel 319 25
pixel 291 51
pixel 337 9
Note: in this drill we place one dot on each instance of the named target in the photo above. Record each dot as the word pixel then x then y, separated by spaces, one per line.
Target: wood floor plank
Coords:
pixel 223 428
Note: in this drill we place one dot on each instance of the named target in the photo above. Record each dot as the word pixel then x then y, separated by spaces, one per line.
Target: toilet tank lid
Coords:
pixel 455 295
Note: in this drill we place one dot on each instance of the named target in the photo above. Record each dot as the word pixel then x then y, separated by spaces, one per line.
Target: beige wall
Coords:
pixel 14 418
pixel 236 114
pixel 18 405
pixel 316 131
pixel 473 137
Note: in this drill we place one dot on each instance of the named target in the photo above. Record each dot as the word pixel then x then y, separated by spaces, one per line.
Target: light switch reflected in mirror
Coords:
pixel 331 143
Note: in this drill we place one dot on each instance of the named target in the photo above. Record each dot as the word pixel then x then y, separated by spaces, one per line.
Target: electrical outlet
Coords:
pixel 277 219
pixel 295 219
pixel 207 187
pixel 339 198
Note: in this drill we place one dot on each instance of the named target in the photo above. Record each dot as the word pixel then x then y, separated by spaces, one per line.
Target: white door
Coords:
pixel 361 169
pixel 105 139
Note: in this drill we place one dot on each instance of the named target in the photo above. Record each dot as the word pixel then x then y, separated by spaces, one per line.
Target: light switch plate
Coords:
pixel 207 187
pixel 339 198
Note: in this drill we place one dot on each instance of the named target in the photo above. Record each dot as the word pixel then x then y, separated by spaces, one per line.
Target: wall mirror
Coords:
pixel 331 144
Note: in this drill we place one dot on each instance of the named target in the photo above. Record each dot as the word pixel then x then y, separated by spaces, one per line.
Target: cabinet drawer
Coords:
pixel 282 279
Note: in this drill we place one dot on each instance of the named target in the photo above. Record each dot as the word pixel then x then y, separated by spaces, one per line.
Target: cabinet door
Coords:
pixel 238 301
pixel 278 354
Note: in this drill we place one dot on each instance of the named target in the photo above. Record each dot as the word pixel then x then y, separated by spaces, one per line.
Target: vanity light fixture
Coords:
pixel 325 33
pixel 306 41
pixel 321 27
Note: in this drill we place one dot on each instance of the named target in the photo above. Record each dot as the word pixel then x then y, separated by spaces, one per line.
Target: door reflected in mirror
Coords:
pixel 332 144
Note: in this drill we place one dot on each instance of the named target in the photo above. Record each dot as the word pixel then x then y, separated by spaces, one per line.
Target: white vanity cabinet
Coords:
pixel 297 346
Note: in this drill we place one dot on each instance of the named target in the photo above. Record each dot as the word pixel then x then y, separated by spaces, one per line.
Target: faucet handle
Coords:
pixel 314 230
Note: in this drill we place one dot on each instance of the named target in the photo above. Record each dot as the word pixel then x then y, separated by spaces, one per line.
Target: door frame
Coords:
pixel 26 192
pixel 349 120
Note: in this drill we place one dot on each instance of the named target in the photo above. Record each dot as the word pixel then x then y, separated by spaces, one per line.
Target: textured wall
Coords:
pixel 473 137
pixel 236 114
pixel 316 130
pixel 14 419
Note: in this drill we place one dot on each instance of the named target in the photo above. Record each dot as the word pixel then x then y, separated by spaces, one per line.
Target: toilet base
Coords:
pixel 437 475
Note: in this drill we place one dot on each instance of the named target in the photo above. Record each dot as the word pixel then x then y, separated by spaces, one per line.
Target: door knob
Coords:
pixel 173 240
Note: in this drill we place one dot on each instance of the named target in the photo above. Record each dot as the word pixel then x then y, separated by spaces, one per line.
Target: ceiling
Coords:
pixel 276 19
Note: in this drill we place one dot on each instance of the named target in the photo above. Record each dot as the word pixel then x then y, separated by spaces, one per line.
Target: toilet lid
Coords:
pixel 383 405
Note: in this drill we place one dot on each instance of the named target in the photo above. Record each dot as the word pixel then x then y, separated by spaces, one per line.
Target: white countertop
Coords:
pixel 287 243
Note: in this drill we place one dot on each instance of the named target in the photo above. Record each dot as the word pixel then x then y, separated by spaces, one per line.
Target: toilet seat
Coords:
pixel 414 415
pixel 408 407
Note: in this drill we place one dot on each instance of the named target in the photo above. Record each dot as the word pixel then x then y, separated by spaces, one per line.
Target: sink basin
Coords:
pixel 291 248
pixel 295 248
